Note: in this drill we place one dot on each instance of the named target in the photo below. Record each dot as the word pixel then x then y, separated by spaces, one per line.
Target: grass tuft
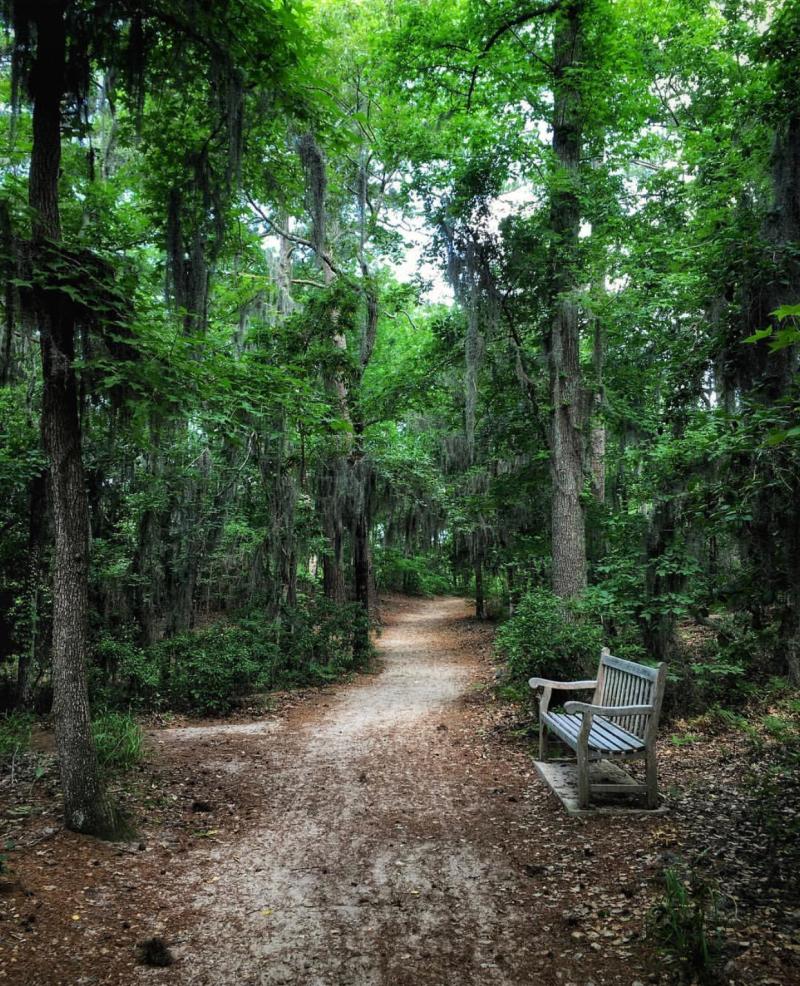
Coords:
pixel 118 740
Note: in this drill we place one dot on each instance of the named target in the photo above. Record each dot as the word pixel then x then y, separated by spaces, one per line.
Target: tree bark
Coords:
pixel 361 581
pixel 362 471
pixel 86 807
pixel 32 659
pixel 598 439
pixel 568 400
pixel 480 600
pixel 659 630
pixel 333 584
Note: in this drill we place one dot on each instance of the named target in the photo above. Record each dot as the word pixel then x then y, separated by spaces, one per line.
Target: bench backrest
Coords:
pixel 622 682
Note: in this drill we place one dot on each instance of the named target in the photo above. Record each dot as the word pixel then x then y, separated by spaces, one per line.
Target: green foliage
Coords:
pixel 117 740
pixel 21 465
pixel 609 604
pixel 682 922
pixel 208 671
pixel 221 444
pixel 719 719
pixel 15 733
pixel 774 776
pixel 319 644
pixel 418 575
pixel 724 671
pixel 549 638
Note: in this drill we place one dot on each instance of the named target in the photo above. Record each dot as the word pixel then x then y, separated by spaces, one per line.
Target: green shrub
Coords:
pixel 318 643
pixel 123 674
pixel 727 670
pixel 548 638
pixel 117 739
pixel 719 720
pixel 208 671
pixel 605 606
pixel 15 733
pixel 205 671
pixel 418 575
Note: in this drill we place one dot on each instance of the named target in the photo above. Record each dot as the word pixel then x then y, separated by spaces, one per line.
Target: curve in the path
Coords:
pixel 367 869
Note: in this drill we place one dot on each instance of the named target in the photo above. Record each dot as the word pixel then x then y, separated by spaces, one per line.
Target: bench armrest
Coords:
pixel 548 686
pixel 609 711
pixel 565 685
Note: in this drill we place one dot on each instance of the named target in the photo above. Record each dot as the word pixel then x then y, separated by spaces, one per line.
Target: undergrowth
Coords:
pixel 118 741
pixel 15 733
pixel 682 922
pixel 537 640
pixel 209 671
pixel 414 575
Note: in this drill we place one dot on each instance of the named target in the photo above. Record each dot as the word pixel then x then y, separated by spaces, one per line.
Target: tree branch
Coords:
pixel 291 236
pixel 401 311
pixel 305 280
pixel 509 25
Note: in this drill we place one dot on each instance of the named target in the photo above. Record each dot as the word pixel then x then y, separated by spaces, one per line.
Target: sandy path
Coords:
pixel 389 831
pixel 382 832
pixel 366 868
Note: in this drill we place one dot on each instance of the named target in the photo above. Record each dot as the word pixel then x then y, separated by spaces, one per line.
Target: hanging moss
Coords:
pixel 313 163
pixel 469 273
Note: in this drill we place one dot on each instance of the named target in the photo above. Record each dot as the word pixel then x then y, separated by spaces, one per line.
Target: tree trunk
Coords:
pixel 31 660
pixel 86 808
pixel 510 583
pixel 148 589
pixel 333 584
pixel 567 397
pixel 660 628
pixel 480 601
pixel 598 440
pixel 361 580
pixel 791 621
pixel 783 233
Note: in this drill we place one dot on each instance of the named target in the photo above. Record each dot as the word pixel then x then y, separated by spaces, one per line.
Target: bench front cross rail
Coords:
pixel 619 723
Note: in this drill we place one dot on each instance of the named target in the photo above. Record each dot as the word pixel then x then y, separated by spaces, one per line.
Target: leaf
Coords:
pixel 784 338
pixel 787 311
pixel 759 335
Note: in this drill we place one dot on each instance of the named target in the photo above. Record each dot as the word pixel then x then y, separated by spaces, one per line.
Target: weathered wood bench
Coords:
pixel 619 723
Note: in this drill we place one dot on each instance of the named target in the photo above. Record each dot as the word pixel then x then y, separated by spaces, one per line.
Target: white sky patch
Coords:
pixel 418 237
pixel 416 262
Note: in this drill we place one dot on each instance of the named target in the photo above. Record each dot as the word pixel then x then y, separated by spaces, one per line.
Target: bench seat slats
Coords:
pixel 617 733
pixel 604 736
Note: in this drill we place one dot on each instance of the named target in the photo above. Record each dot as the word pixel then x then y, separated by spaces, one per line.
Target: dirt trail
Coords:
pixel 364 871
pixel 383 832
pixel 386 853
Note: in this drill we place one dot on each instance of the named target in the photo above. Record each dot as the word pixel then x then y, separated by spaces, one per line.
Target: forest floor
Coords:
pixel 389 831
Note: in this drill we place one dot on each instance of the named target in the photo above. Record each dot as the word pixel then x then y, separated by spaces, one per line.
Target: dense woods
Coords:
pixel 303 303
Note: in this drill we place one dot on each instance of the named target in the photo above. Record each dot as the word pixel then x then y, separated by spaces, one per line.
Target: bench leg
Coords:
pixel 583 776
pixel 542 740
pixel 652 779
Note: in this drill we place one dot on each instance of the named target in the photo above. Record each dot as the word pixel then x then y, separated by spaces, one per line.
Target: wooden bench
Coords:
pixel 619 723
